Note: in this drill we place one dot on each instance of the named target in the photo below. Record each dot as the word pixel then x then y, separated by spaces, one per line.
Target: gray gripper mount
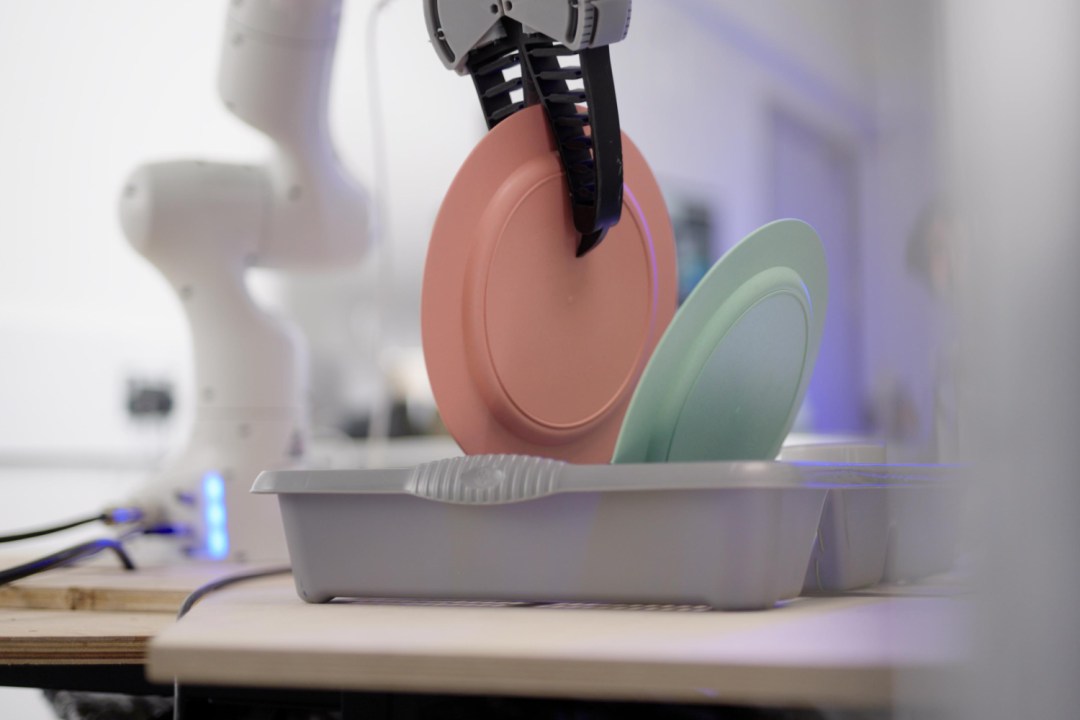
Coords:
pixel 561 46
pixel 457 27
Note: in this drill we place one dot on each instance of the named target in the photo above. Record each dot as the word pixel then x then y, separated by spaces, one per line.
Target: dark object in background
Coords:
pixel 692 223
pixel 70 705
pixel 359 427
pixel 276 704
pixel 149 399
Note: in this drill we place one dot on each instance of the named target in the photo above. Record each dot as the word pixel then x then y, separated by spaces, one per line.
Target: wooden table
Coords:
pixel 89 628
pixel 848 652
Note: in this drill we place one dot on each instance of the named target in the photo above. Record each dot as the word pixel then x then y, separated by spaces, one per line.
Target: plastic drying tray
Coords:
pixel 852 540
pixel 881 522
pixel 733 535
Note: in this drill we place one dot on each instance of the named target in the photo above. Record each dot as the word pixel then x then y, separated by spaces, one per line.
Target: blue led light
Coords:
pixel 214 517
pixel 125 515
pixel 213 487
pixel 217 544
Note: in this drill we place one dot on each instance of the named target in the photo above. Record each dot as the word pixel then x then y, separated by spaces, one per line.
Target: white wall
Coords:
pixel 697 80
pixel 94 89
pixel 907 327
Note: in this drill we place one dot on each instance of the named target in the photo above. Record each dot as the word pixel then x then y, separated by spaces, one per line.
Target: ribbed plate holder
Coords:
pixel 486 479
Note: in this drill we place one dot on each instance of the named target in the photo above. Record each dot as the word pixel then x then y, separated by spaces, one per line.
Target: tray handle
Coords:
pixel 486 479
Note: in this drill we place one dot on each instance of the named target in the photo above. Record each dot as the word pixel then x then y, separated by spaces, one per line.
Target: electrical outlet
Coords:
pixel 149 399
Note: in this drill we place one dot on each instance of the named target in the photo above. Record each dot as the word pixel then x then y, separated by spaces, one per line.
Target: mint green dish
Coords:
pixel 732 369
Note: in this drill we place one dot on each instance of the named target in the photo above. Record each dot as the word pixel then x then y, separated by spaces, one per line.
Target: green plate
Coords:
pixel 732 368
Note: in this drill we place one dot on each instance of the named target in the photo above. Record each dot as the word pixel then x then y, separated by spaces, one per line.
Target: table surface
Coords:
pixel 839 651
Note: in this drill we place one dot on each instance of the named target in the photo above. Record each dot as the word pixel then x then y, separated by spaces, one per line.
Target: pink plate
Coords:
pixel 530 349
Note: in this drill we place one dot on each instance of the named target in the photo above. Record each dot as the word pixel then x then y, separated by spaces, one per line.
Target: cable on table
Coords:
pixel 66 556
pixel 113 516
pixel 225 582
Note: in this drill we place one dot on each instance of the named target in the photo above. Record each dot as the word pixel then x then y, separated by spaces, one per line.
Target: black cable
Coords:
pixel 224 582
pixel 66 557
pixel 54 528
pixel 112 516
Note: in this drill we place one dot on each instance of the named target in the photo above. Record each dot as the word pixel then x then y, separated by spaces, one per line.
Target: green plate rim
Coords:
pixel 790 244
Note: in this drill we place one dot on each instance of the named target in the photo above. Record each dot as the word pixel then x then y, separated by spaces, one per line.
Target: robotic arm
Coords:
pixel 556 44
pixel 202 224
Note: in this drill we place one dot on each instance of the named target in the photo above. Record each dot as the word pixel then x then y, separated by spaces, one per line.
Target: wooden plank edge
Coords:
pixel 88 598
pixel 772 685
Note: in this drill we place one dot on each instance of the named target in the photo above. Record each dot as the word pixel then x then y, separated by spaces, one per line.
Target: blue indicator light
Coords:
pixel 213 487
pixel 214 517
pixel 125 515
pixel 217 544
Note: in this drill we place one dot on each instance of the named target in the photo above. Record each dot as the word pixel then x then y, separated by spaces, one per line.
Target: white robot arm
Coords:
pixel 203 224
pixel 275 76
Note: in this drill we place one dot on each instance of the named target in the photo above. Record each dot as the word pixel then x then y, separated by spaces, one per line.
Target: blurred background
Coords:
pixel 748 112
pixel 933 144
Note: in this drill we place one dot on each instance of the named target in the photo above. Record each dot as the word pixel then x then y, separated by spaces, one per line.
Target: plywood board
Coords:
pixel 95 613
pixel 103 588
pixel 72 638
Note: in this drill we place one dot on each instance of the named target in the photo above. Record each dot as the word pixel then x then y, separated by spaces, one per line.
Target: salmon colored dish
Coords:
pixel 531 349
